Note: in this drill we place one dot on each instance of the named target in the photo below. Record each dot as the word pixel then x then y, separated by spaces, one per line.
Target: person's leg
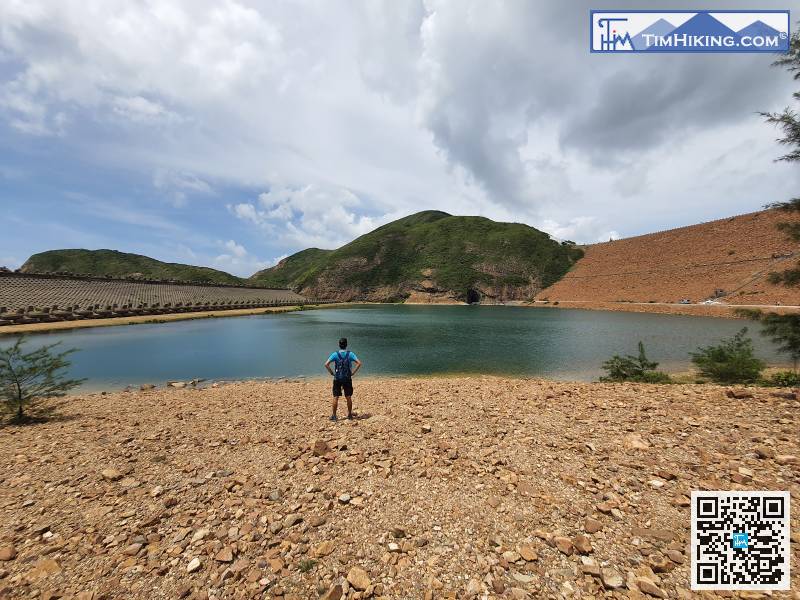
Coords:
pixel 337 391
pixel 348 394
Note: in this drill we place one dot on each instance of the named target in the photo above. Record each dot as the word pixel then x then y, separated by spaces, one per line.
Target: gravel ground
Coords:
pixel 467 487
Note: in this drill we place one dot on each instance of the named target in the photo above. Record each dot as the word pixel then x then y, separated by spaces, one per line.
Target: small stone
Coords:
pixel 199 535
pixel 563 544
pixel 393 547
pixel 473 588
pixel 335 593
pixel 426 429
pixel 177 384
pixel 764 452
pixel 316 520
pixel 194 565
pixel 591 525
pixel 146 386
pixel 358 578
pixel 738 394
pixel 649 588
pixel 656 483
pixel 398 532
pixel 675 556
pixel 786 459
pixel 344 499
pixel 8 552
pixel 132 550
pixel 590 566
pixel 660 563
pixel 582 544
pixel 527 552
pixel 320 448
pixel 611 578
pixel 607 507
pixel 111 474
pixel 324 549
pixel 225 555
pixel 634 441
pixel 291 519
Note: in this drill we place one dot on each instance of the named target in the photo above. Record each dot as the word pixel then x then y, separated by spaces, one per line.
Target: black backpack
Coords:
pixel 342 366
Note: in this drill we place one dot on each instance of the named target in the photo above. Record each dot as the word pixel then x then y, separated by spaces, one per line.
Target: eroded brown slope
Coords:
pixel 733 254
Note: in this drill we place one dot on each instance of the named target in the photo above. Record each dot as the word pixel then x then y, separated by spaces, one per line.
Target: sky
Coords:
pixel 232 133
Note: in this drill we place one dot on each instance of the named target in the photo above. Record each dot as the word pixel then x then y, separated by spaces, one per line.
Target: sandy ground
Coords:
pixel 477 487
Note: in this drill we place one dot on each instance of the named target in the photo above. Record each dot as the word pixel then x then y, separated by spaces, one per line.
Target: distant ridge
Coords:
pixel 112 263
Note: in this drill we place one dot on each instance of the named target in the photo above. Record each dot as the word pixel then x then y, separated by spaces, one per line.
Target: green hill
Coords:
pixel 291 269
pixel 429 256
pixel 111 263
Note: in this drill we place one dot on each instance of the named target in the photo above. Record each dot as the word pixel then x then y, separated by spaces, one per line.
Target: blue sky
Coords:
pixel 232 133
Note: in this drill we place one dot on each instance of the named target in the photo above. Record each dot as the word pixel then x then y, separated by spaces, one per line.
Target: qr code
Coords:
pixel 740 540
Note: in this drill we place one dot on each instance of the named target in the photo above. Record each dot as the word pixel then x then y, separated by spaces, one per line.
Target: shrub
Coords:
pixel 784 379
pixel 634 368
pixel 306 565
pixel 28 377
pixel 731 361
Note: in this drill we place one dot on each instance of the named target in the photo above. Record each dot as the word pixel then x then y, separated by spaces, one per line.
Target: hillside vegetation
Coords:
pixel 430 256
pixel 111 263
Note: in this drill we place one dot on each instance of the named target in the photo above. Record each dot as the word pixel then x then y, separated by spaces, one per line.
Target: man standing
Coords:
pixel 343 362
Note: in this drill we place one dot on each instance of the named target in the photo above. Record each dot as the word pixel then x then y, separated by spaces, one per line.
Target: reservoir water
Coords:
pixel 391 340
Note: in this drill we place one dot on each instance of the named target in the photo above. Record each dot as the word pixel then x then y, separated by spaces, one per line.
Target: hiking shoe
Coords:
pixel 333 418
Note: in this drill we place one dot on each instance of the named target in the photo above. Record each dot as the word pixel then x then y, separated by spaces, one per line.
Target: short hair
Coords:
pixel 342 343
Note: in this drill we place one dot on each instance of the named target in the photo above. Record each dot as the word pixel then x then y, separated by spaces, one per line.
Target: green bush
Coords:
pixel 731 361
pixel 784 379
pixel 633 368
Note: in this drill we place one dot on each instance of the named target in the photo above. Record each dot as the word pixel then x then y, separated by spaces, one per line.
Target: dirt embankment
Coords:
pixel 476 487
pixel 733 255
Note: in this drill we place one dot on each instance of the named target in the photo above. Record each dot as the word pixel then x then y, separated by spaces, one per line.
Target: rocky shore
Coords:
pixel 474 487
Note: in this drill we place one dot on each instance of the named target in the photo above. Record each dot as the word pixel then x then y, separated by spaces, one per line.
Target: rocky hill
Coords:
pixel 111 263
pixel 428 257
pixel 730 258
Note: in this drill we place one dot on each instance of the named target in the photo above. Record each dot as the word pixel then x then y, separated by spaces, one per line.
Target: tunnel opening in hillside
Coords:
pixel 473 297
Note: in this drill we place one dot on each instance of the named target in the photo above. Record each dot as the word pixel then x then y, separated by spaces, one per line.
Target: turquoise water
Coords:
pixel 391 340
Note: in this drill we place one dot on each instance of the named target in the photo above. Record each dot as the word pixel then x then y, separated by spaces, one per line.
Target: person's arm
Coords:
pixel 358 366
pixel 328 366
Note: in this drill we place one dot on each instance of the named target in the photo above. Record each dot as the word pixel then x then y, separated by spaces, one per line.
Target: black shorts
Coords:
pixel 346 385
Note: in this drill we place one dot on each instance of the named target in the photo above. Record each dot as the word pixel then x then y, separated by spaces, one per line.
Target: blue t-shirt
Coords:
pixel 334 355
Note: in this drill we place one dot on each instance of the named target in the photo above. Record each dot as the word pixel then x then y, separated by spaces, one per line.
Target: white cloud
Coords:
pixel 314 215
pixel 352 114
pixel 237 260
pixel 10 262
pixel 177 186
